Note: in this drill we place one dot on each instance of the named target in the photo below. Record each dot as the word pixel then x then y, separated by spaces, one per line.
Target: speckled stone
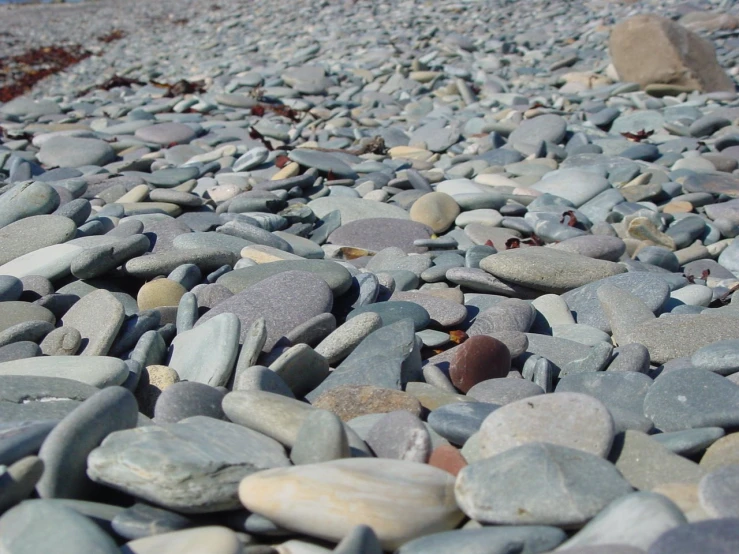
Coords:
pixel 350 401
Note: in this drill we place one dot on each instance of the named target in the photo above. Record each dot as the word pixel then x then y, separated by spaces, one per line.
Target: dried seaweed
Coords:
pixel 115 34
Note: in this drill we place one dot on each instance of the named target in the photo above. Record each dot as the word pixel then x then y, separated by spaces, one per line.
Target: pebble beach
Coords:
pixel 414 277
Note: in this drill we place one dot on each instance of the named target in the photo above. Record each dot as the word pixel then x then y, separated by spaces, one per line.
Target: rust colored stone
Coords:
pixel 478 359
pixel 448 458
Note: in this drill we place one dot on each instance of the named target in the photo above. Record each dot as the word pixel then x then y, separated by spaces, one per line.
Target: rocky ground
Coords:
pixel 354 277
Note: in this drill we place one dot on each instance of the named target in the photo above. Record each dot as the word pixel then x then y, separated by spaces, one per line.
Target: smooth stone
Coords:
pixel 399 500
pixel 539 484
pixel 548 128
pixel 207 354
pixel 11 288
pixel 583 301
pixel 336 276
pixel 14 313
pixel 75 152
pixel 400 435
pixel 601 247
pixel 321 438
pixel 22 439
pixel 352 401
pixel 25 200
pixel 51 262
pixel 98 317
pixel 721 357
pixel 301 368
pixel 187 399
pixel 360 540
pixel 375 234
pixel 717 492
pixel 636 519
pixel 678 336
pixel 690 441
pixel 98 371
pixel 33 233
pixel 575 185
pixel 547 269
pixel 18 480
pixel 65 450
pixel 646 464
pixel 43 526
pixel 478 359
pixel 142 520
pixel 568 419
pixel 506 315
pixel 209 539
pixel 386 358
pixel 718 536
pixel 323 161
pixel 286 300
pixel 395 310
pixel 435 209
pixel 211 239
pixel 341 342
pixel 504 391
pixel 443 312
pixel 692 398
pixel 490 540
pixel 352 209
pixel 160 292
pixel 163 263
pixel 722 453
pixel 166 133
pixel 458 422
pixel 195 453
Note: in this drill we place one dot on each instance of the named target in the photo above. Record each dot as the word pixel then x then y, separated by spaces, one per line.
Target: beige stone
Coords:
pixel 435 209
pixel 201 540
pixel 350 401
pixel 154 380
pixel 724 452
pixel 159 293
pixel 649 48
pixel 399 500
pixel 685 495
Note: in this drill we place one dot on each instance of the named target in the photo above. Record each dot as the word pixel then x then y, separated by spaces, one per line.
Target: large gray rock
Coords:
pixel 193 466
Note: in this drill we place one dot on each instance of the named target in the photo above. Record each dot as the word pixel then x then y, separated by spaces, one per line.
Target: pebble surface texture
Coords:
pixel 364 277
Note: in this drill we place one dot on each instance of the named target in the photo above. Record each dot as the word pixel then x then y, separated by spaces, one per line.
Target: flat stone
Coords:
pixel 285 300
pixel 547 269
pixel 351 401
pixel 717 492
pixel 322 161
pixel 528 490
pixel 207 353
pixel 336 276
pixel 717 535
pixel 321 438
pixel 692 398
pixel 491 540
pixel 722 453
pixel 583 301
pixel 209 539
pixel 341 342
pixel 458 422
pixel 142 520
pixel 301 368
pixel 530 132
pixel 98 317
pixel 504 391
pixel 32 233
pixel 478 359
pixel 21 439
pixel 689 441
pixel 98 371
pixel 399 500
pixel 636 519
pixel 75 152
pixel 374 234
pixel 16 312
pixel 567 419
pixel 352 209
pixel 166 133
pixel 195 453
pixel 575 185
pixel 721 357
pixel 27 199
pixel 400 435
pixel 42 526
pixel 162 264
pixel 185 399
pixel 647 464
pixel 443 312
pixel 395 310
pixel 64 452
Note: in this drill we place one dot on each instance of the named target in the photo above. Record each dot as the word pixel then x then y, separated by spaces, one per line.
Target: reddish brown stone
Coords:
pixel 478 359
pixel 448 458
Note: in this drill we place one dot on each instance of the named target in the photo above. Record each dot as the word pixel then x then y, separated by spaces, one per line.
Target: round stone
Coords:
pixel 718 492
pixel 435 209
pixel 539 484
pixel 158 293
pixel 166 133
pixel 567 419
pixel 75 152
pixel 478 359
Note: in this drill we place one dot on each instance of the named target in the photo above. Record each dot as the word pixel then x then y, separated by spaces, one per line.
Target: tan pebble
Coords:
pixel 159 293
pixel 679 207
pixel 154 380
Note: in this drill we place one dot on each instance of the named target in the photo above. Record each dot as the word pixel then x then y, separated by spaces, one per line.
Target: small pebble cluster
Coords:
pixel 363 277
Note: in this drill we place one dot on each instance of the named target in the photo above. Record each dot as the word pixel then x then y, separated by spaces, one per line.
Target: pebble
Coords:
pixel 184 462
pixel 526 490
pixel 399 500
pixel 567 419
pixel 352 401
pixel 478 359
